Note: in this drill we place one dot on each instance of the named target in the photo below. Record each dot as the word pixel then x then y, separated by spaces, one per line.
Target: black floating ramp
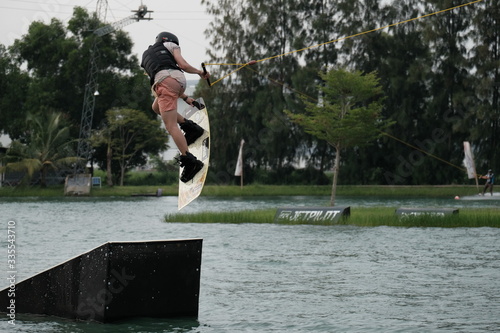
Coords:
pixel 114 281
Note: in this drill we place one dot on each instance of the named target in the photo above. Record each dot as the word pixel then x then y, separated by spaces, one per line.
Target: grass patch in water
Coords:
pixel 244 216
pixel 365 217
pixel 467 218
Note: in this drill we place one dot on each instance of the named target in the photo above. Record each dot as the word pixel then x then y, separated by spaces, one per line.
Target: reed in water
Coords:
pixel 366 217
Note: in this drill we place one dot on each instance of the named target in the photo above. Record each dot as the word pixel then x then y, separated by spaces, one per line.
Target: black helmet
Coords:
pixel 167 37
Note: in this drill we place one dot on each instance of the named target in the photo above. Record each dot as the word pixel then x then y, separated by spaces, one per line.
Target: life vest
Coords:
pixel 156 58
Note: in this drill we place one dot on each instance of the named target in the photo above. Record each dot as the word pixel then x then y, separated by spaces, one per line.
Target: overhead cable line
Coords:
pixel 242 65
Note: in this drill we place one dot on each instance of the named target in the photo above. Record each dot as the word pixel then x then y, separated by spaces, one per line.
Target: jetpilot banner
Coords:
pixel 312 214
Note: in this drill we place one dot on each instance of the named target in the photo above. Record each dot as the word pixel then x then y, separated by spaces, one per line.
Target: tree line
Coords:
pixel 43 77
pixel 439 76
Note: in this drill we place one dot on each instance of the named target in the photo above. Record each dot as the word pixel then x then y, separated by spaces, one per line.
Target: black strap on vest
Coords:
pixel 156 58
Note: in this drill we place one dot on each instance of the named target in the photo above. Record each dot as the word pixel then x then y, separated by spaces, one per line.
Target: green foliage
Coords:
pixel 48 147
pixel 152 178
pixel 56 59
pixel 288 176
pixel 249 105
pixel 164 174
pixel 438 74
pixel 130 136
pixel 350 113
pixel 261 190
pixel 482 118
pixel 13 84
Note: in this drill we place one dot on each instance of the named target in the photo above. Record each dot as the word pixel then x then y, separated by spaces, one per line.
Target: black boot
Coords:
pixel 192 131
pixel 191 166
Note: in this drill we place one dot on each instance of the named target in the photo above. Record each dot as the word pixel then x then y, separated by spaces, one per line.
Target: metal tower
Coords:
pixel 84 150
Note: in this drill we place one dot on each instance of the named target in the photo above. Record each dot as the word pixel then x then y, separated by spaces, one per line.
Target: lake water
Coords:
pixel 279 278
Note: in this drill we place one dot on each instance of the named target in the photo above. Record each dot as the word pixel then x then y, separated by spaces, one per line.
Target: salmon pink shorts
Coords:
pixel 167 92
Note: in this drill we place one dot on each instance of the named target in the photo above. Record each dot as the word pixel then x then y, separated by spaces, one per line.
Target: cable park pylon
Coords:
pixel 79 183
pixel 84 150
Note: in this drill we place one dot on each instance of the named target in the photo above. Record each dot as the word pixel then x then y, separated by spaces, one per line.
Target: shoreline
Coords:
pixel 259 190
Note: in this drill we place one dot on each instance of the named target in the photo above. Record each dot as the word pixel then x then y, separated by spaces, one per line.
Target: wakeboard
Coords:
pixel 201 149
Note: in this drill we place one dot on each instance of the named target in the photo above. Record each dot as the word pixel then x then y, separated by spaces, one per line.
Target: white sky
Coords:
pixel 184 18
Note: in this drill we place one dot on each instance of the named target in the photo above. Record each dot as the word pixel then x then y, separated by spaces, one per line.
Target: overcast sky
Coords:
pixel 184 18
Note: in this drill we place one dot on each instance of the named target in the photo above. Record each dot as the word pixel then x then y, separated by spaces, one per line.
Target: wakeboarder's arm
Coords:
pixel 185 66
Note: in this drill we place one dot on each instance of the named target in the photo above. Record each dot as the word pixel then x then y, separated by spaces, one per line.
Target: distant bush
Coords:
pixel 288 176
pixel 141 178
pixel 163 174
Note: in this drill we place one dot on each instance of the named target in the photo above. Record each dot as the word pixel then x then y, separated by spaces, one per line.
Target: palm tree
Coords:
pixel 49 146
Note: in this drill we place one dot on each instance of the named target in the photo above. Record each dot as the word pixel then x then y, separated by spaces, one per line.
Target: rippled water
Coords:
pixel 278 278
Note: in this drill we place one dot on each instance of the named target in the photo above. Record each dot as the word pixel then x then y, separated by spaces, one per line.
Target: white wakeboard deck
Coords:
pixel 201 149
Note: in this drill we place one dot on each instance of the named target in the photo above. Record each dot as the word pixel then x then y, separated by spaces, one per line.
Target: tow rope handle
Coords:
pixel 205 72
